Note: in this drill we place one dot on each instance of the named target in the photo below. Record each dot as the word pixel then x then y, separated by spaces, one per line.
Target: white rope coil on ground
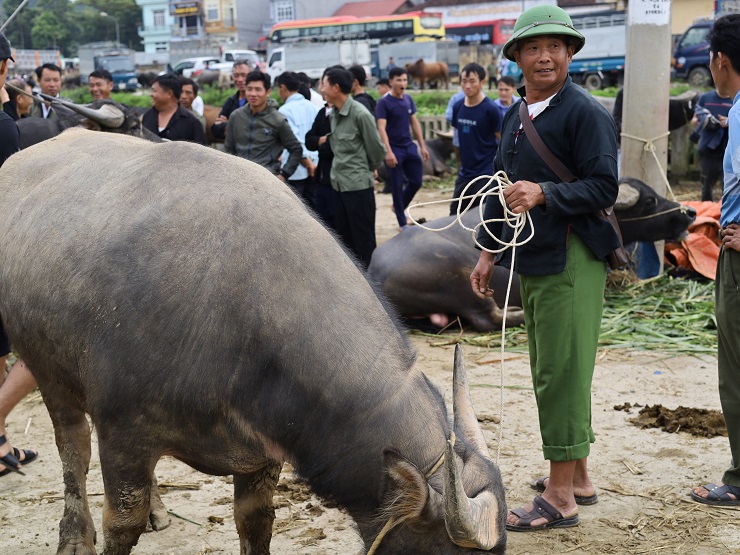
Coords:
pixel 495 186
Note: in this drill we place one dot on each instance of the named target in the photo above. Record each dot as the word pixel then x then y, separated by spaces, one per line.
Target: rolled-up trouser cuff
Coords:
pixel 568 452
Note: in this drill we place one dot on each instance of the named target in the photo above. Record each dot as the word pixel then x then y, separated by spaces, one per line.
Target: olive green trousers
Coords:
pixel 727 309
pixel 562 314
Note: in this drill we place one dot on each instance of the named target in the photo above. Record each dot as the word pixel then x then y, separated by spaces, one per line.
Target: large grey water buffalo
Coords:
pixel 100 115
pixel 150 287
pixel 426 274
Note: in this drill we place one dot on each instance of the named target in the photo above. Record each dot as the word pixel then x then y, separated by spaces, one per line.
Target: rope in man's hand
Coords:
pixel 494 187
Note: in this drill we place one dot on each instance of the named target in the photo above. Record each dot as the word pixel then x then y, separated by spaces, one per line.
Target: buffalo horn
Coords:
pixel 107 115
pixel 466 424
pixel 627 197
pixel 469 522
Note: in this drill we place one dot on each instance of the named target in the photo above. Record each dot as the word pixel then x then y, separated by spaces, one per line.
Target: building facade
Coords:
pixel 156 26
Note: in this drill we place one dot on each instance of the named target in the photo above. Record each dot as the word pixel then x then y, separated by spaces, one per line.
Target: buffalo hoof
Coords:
pixel 76 549
pixel 159 519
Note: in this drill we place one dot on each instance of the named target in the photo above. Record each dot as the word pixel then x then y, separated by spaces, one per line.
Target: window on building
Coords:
pixel 212 13
pixel 160 47
pixel 283 10
pixel 158 18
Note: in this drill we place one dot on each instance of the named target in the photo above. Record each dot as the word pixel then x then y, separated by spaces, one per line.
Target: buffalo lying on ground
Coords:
pixel 427 274
pixel 100 115
pixel 149 287
pixel 429 72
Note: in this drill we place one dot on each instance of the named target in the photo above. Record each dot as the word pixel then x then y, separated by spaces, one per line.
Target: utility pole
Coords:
pixel 118 31
pixel 646 100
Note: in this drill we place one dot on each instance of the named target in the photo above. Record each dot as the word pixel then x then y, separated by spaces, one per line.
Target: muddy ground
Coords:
pixel 642 475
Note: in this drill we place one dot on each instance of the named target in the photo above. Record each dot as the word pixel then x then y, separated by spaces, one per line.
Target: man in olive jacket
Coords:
pixel 259 133
pixel 358 150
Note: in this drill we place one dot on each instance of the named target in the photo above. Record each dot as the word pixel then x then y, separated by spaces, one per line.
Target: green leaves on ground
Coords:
pixel 660 314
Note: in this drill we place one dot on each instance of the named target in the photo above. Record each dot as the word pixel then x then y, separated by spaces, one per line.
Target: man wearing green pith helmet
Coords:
pixel 562 269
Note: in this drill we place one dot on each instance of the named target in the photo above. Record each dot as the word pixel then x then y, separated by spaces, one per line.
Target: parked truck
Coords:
pixel 601 61
pixel 312 58
pixel 116 59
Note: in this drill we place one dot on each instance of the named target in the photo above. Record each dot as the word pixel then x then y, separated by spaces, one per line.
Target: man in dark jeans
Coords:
pixel 711 115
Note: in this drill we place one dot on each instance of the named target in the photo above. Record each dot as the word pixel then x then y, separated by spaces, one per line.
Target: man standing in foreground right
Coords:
pixel 562 270
pixel 357 152
pixel 724 53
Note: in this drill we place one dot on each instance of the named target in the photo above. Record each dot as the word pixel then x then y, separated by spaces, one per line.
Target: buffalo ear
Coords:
pixel 407 488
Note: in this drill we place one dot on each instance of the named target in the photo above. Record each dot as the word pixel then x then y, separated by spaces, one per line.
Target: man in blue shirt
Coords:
pixel 477 121
pixel 300 114
pixel 396 114
pixel 711 114
pixel 724 41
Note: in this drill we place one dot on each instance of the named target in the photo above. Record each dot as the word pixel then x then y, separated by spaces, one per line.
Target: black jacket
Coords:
pixel 582 134
pixel 321 126
pixel 218 129
pixel 183 126
pixel 367 101
pixel 9 137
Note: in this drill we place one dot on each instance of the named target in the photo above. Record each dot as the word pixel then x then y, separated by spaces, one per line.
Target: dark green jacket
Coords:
pixel 357 147
pixel 261 138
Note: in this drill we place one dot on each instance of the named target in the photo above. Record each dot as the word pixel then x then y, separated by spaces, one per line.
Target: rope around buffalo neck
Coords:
pixel 495 186
pixel 649 146
pixel 393 521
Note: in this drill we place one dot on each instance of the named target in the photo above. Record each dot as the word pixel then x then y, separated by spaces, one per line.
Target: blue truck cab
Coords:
pixel 691 56
pixel 121 68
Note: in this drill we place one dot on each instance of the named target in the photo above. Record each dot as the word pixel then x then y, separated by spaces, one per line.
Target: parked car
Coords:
pixel 190 66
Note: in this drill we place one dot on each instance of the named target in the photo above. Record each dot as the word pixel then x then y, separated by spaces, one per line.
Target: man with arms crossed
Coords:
pixel 724 51
pixel 259 133
pixel 562 270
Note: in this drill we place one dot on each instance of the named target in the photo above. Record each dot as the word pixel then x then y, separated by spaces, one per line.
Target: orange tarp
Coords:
pixel 700 251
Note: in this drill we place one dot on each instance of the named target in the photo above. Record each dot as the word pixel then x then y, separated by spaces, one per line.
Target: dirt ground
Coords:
pixel 642 475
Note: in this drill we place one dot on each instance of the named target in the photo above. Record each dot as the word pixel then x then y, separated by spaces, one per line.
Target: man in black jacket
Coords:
pixel 239 74
pixel 562 269
pixel 167 118
pixel 359 78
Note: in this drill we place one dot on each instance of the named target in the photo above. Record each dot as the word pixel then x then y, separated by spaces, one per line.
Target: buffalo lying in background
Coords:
pixel 170 312
pixel 427 72
pixel 100 115
pixel 427 274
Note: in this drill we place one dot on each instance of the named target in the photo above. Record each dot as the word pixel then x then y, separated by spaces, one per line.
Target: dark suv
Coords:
pixel 691 57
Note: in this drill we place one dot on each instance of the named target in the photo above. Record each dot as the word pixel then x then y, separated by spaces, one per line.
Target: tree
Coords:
pixel 19 31
pixel 48 32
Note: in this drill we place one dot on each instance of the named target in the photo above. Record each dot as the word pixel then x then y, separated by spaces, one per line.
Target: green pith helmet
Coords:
pixel 542 20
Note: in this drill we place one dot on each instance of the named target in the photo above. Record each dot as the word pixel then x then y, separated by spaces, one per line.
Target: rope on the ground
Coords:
pixel 495 186
pixel 649 146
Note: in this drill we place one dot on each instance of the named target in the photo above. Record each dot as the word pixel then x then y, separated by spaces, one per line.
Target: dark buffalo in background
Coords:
pixel 426 274
pixel 100 115
pixel 147 286
pixel 146 78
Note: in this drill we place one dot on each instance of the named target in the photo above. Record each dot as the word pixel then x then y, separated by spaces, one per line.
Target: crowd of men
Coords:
pixel 298 139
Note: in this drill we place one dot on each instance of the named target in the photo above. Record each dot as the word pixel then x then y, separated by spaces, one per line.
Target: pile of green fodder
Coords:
pixel 660 314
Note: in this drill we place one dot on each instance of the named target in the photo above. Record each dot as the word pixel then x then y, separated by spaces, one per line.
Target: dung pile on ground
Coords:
pixel 697 422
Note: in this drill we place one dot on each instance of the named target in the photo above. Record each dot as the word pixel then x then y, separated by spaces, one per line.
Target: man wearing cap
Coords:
pixel 562 269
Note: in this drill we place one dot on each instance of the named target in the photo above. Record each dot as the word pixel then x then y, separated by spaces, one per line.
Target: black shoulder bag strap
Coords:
pixel 617 258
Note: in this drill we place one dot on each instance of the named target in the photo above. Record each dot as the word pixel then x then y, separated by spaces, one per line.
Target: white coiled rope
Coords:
pixel 495 186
